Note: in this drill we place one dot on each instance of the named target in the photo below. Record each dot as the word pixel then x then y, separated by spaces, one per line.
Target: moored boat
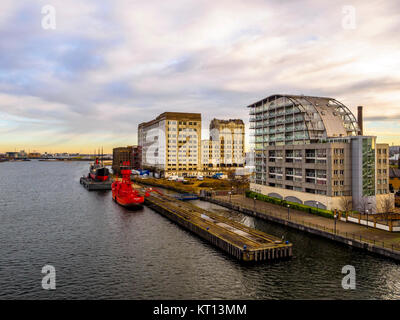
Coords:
pixel 98 172
pixel 124 193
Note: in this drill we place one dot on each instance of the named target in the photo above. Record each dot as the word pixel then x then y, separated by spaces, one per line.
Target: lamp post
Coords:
pixel 366 211
pixel 211 193
pixel 335 218
pixel 288 212
pixel 255 203
pixel 230 196
pixel 317 205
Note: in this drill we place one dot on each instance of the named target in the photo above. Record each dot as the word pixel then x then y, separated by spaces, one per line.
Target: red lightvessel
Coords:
pixel 123 192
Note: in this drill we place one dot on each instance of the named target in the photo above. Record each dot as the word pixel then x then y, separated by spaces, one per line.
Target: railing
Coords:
pixel 332 230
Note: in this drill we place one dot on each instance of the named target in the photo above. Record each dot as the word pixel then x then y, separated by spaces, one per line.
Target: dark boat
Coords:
pixel 98 172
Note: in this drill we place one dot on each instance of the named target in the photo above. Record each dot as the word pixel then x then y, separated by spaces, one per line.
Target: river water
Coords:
pixel 102 251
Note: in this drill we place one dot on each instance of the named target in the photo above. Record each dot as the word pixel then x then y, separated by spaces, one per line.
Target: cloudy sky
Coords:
pixel 109 65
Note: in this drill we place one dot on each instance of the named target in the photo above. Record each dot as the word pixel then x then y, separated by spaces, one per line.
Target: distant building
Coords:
pixel 225 149
pixel 394 178
pixel 131 154
pixel 394 159
pixel 311 150
pixel 34 155
pixel 22 154
pixel 171 144
pixel 394 150
pixel 12 155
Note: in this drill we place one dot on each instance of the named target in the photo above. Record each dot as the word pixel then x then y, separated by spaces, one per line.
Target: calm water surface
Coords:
pixel 102 251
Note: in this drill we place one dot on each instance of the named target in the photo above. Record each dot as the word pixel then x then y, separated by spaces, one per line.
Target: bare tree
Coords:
pixel 386 205
pixel 362 205
pixel 346 203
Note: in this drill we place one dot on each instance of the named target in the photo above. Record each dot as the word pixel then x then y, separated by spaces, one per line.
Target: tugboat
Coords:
pixel 98 172
pixel 123 192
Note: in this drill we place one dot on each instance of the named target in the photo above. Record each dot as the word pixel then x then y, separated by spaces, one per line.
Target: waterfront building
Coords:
pixel 122 155
pixel 34 155
pixel 171 144
pixel 394 178
pixel 12 155
pixel 225 149
pixel 311 150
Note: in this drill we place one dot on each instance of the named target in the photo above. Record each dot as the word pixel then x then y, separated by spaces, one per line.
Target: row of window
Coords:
pixel 338 151
pixel 338 161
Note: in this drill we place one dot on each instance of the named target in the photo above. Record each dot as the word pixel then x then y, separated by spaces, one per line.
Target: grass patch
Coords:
pixel 292 205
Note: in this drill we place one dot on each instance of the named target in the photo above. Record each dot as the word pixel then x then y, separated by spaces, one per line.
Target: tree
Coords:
pixel 386 205
pixel 346 203
pixel 363 205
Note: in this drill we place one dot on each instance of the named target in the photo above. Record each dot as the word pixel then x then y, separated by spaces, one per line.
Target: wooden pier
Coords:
pixel 241 242
pixel 91 185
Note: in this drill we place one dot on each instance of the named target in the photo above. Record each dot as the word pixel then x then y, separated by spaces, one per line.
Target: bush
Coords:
pixel 292 205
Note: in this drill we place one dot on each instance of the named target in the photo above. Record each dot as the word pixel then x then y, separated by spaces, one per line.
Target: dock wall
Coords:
pixel 239 253
pixel 331 236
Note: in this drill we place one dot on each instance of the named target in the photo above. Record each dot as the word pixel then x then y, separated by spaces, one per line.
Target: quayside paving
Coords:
pixel 242 242
pixel 376 241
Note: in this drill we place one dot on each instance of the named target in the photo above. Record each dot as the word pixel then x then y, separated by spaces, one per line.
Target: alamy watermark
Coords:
pixel 49 19
pixel 349 280
pixel 349 17
pixel 49 280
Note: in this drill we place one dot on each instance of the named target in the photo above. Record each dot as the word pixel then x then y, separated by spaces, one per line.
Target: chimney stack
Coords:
pixel 360 120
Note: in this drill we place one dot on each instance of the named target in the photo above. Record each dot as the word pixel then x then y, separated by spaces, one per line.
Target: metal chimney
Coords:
pixel 360 120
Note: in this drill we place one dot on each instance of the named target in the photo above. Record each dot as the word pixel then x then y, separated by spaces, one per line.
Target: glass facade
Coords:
pixel 368 166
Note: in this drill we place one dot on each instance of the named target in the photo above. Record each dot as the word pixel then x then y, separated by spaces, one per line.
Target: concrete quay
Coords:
pixel 239 241
pixel 375 241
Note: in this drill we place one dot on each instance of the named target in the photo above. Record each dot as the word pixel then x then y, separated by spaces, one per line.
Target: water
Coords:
pixel 102 251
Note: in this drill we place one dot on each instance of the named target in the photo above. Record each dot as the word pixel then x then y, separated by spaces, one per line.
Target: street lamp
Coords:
pixel 335 218
pixel 230 196
pixel 211 192
pixel 366 211
pixel 288 212
pixel 255 203
pixel 317 205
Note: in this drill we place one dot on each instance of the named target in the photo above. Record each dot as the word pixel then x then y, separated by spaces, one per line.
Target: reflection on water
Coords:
pixel 102 251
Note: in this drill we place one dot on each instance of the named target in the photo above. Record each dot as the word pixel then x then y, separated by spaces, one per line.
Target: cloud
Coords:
pixel 110 65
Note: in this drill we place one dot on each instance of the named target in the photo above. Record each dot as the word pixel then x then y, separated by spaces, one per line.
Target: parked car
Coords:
pixel 201 178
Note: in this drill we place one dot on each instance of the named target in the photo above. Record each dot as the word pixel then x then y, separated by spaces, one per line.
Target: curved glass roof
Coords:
pixel 291 119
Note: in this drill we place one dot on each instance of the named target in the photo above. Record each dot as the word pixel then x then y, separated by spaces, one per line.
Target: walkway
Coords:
pixel 348 229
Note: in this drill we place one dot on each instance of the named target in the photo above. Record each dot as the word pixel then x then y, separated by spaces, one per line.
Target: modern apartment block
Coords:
pixel 171 144
pixel 225 149
pixel 311 150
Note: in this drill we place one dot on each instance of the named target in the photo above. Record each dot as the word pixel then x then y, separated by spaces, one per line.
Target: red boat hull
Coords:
pixel 133 203
pixel 124 194
pixel 98 178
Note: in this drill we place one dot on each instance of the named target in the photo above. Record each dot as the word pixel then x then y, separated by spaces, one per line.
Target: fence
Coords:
pixel 287 217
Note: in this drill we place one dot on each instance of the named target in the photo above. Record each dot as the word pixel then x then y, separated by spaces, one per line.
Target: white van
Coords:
pixel 201 178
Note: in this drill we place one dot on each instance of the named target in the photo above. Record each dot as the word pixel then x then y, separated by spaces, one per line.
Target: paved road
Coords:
pixel 388 238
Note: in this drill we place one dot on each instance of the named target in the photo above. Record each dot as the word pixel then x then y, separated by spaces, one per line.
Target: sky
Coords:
pixel 84 74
